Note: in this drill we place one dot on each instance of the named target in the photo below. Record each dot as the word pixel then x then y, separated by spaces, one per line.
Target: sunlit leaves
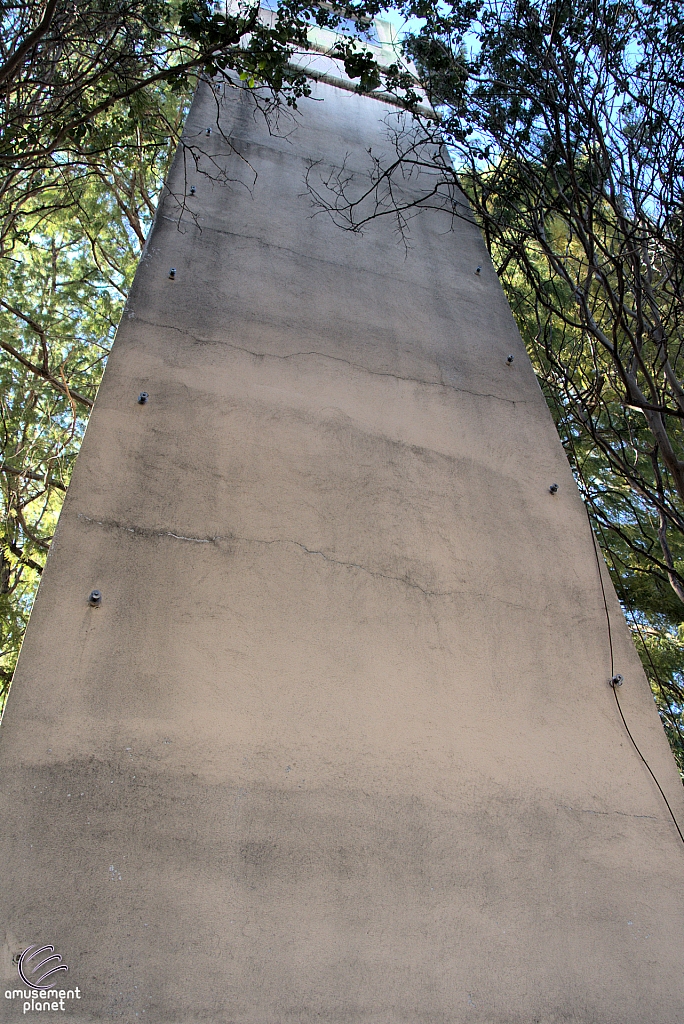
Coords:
pixel 92 100
pixel 63 283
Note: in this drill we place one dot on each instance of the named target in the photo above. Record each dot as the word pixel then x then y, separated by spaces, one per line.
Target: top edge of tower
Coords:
pixel 381 39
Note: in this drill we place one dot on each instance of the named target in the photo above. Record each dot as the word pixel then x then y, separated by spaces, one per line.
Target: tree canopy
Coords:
pixel 557 125
pixel 93 97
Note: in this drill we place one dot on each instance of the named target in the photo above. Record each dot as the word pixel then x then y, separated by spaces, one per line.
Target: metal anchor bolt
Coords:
pixel 509 359
pixel 616 680
pixel 192 190
pixel 478 270
pixel 142 397
pixel 553 488
pixel 208 131
pixel 172 273
pixel 95 598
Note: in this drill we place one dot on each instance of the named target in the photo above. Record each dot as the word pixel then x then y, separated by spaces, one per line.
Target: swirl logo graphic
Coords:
pixel 26 966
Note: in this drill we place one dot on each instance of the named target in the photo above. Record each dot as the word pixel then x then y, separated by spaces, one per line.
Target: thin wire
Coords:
pixel 603 592
pixel 637 628
pixel 610 634
pixel 676 824
pixel 666 695
pixel 614 687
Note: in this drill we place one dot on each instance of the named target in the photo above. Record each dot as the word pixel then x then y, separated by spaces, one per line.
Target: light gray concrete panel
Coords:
pixel 339 743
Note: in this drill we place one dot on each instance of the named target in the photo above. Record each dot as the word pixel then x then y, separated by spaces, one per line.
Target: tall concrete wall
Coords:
pixel 338 745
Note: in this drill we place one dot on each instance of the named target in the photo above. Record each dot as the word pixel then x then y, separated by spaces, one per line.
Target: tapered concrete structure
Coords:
pixel 338 745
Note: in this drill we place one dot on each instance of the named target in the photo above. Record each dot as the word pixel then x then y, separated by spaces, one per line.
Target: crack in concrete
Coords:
pixel 142 531
pixel 336 359
pixel 147 532
pixel 371 572
pixel 624 814
pixel 317 260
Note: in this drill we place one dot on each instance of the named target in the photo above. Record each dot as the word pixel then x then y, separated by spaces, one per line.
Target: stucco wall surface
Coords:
pixel 338 745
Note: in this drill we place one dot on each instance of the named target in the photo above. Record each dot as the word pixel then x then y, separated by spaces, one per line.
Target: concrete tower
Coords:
pixel 338 745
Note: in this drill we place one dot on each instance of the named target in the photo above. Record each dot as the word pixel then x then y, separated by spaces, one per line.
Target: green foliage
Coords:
pixel 63 281
pixel 567 133
pixel 565 125
pixel 611 451
pixel 92 100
